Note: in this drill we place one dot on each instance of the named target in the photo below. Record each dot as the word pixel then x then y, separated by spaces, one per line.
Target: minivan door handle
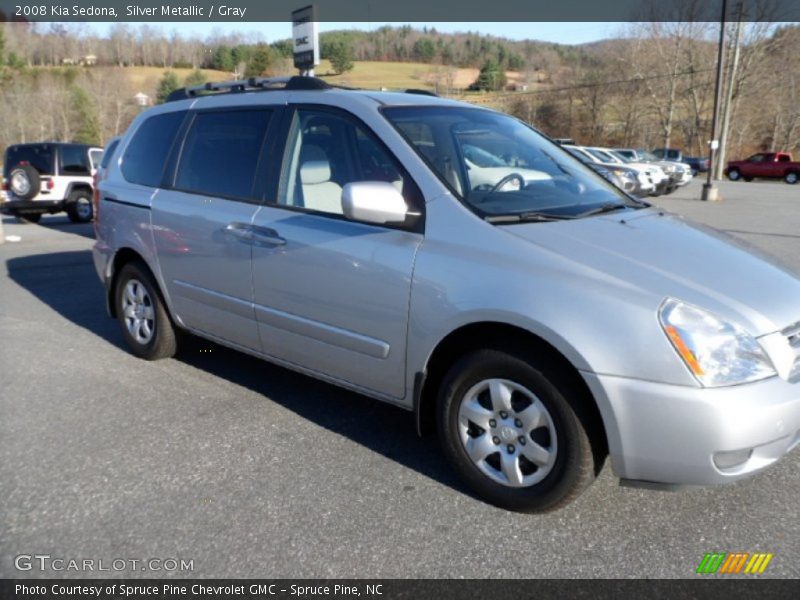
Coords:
pixel 240 231
pixel 266 235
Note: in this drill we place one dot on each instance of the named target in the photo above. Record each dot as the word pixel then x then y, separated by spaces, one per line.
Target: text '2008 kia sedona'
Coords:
pixel 451 260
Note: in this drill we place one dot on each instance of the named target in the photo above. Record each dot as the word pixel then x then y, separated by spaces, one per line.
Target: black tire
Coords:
pixel 576 462
pixel 24 182
pixel 79 206
pixel 31 218
pixel 791 177
pixel 734 174
pixel 163 341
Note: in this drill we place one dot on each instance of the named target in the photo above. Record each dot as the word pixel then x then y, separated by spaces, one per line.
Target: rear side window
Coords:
pixel 96 156
pixel 144 159
pixel 109 152
pixel 75 161
pixel 40 157
pixel 221 152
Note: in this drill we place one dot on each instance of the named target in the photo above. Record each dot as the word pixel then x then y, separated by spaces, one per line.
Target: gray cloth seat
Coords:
pixel 319 192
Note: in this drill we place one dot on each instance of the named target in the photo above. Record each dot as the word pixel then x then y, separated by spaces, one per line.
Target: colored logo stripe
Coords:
pixel 758 563
pixel 732 563
pixel 711 562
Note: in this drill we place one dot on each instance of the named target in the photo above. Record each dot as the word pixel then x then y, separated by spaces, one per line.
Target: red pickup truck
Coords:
pixel 769 165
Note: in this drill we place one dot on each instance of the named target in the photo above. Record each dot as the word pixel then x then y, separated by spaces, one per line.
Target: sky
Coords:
pixel 564 33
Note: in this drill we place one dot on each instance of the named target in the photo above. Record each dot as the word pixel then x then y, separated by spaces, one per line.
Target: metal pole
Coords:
pixel 709 191
pixel 726 111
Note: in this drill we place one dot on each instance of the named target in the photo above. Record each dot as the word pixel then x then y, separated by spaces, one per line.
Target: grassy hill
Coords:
pixel 146 79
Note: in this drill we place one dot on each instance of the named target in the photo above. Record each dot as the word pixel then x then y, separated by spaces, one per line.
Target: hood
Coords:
pixel 664 255
pixel 647 167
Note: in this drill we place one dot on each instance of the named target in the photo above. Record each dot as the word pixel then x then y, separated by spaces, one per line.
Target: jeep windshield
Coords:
pixel 500 167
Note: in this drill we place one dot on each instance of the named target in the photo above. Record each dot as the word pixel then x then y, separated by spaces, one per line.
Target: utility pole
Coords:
pixel 710 192
pixel 726 112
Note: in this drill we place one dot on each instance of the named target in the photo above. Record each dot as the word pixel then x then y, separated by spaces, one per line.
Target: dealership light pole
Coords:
pixel 709 191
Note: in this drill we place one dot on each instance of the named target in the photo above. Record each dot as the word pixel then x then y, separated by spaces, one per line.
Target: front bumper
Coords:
pixel 677 435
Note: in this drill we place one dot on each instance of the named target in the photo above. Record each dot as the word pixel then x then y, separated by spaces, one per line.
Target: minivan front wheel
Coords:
pixel 509 429
pixel 143 319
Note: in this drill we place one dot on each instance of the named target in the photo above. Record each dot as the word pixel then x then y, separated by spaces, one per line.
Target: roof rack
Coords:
pixel 256 84
pixel 420 92
pixel 250 85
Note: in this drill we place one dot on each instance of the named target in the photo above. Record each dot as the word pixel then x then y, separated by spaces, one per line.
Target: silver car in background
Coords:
pixel 452 261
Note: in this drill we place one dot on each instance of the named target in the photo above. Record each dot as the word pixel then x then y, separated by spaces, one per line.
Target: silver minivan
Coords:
pixel 453 261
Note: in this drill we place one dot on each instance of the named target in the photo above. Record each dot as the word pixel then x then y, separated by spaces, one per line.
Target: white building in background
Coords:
pixel 143 99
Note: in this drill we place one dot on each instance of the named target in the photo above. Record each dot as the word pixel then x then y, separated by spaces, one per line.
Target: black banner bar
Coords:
pixel 405 11
pixel 731 588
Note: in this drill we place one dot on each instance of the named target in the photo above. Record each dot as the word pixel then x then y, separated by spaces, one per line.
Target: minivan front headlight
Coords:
pixel 717 353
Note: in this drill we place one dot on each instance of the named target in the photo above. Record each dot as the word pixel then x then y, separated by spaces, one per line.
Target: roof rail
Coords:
pixel 249 85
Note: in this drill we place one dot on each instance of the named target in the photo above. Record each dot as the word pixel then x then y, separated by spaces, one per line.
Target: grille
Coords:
pixel 792 334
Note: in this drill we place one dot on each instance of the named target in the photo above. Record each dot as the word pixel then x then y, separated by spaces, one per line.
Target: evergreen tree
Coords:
pixel 196 77
pixel 168 84
pixel 260 61
pixel 222 59
pixel 492 77
pixel 424 50
pixel 341 57
pixel 85 117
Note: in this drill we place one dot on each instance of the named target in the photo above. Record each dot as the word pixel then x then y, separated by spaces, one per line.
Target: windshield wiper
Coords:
pixel 526 217
pixel 605 208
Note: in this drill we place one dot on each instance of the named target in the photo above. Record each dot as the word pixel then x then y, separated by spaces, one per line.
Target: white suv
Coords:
pixel 49 178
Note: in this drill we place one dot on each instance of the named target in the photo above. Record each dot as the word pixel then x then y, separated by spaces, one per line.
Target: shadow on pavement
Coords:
pixel 65 225
pixel 67 282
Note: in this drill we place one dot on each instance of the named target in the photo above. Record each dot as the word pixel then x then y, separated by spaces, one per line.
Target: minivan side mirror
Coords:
pixel 377 202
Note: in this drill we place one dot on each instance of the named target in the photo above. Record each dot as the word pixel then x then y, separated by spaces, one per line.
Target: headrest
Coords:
pixel 314 165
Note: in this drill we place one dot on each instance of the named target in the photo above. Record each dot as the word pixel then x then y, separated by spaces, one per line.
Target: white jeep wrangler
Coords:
pixel 49 177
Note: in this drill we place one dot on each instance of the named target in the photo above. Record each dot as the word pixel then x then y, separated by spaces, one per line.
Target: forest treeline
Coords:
pixel 650 86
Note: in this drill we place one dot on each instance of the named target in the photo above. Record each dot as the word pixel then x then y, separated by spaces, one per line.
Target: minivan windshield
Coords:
pixel 501 167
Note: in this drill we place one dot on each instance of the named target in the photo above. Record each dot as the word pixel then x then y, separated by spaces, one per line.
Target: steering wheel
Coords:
pixel 506 179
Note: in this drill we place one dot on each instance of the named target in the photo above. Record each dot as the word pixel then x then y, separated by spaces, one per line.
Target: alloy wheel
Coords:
pixel 138 311
pixel 507 432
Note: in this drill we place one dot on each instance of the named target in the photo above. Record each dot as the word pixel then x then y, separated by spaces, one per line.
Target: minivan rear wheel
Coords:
pixel 142 316
pixel 511 428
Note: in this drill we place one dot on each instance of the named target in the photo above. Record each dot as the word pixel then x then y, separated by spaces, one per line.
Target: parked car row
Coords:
pixel 638 172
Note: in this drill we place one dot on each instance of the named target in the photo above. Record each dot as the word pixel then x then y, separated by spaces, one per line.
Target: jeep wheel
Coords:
pixel 24 182
pixel 513 429
pixel 142 316
pixel 791 177
pixel 79 207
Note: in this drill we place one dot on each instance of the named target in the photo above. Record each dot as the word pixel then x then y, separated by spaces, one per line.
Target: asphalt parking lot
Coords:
pixel 251 470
